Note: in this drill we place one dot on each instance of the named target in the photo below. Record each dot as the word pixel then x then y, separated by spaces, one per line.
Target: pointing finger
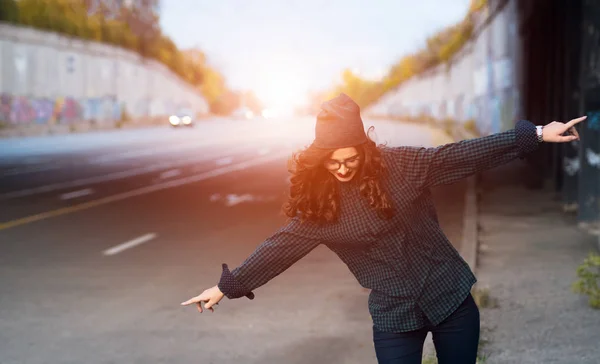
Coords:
pixel 192 300
pixel 573 122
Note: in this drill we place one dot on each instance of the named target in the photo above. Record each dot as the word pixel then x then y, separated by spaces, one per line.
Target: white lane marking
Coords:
pixel 224 161
pixel 130 244
pixel 143 191
pixel 104 178
pixel 75 194
pixel 233 200
pixel 170 173
pixel 264 151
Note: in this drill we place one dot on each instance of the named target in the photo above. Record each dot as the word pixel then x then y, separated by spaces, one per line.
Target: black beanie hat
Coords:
pixel 339 124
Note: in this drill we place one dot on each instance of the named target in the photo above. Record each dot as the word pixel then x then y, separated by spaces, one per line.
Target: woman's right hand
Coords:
pixel 210 297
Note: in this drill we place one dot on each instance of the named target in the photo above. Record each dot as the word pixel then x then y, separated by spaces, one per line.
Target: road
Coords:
pixel 104 234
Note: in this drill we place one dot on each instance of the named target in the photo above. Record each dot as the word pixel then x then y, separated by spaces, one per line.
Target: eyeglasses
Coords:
pixel 350 163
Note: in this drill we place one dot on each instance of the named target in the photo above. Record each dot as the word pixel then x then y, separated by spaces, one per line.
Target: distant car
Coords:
pixel 182 118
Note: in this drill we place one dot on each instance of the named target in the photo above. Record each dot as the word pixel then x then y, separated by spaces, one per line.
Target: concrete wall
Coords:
pixel 46 78
pixel 479 83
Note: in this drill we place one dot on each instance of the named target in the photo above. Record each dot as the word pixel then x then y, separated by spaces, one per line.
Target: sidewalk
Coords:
pixel 528 254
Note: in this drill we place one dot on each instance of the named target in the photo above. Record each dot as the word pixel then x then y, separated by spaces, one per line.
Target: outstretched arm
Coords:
pixel 429 167
pixel 271 258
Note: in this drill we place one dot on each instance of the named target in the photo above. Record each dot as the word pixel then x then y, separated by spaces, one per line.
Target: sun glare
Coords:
pixel 281 91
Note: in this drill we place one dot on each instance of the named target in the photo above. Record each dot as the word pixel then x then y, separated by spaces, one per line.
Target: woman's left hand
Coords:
pixel 553 132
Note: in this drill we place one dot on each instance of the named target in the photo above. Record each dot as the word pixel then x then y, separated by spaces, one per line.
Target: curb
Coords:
pixel 470 236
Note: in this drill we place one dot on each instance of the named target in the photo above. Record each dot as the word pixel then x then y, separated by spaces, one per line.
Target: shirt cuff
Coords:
pixel 526 137
pixel 231 287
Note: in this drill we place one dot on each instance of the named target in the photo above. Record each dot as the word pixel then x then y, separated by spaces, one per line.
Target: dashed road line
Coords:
pixel 76 194
pixel 143 190
pixel 99 179
pixel 129 244
pixel 170 174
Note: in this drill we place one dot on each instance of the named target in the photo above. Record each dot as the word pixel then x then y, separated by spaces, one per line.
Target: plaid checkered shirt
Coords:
pixel 407 262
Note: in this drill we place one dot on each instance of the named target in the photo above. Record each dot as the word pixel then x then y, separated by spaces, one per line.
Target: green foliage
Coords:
pixel 477 5
pixel 589 279
pixel 429 360
pixel 471 127
pixel 482 298
pixel 135 28
pixel 9 11
pixel 448 125
pixel 458 37
pixel 125 117
pixel 227 101
pixel 440 49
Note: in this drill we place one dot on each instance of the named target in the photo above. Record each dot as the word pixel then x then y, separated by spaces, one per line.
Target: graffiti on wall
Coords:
pixel 63 110
pixel 20 109
pixel 67 110
pixel 101 109
pixel 16 108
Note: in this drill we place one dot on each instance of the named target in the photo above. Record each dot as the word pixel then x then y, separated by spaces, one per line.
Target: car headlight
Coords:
pixel 174 120
pixel 186 119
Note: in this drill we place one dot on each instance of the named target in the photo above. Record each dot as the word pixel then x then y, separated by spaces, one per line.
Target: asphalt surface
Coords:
pixel 104 234
pixel 529 254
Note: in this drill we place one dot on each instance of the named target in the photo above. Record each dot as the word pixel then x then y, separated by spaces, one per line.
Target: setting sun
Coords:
pixel 282 89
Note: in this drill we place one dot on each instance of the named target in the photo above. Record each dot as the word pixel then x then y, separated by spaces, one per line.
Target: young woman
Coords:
pixel 371 205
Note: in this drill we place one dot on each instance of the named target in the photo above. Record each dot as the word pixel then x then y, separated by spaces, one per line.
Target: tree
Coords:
pixel 227 102
pixel 440 48
pixel 142 17
pixel 194 64
pixel 213 86
pixel 9 11
pixel 130 24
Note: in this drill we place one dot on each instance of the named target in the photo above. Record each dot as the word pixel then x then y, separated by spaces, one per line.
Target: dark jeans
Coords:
pixel 456 339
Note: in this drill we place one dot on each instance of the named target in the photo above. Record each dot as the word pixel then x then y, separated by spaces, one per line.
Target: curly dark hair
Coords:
pixel 314 194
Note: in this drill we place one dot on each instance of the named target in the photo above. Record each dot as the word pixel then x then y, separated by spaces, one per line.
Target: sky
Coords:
pixel 282 49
